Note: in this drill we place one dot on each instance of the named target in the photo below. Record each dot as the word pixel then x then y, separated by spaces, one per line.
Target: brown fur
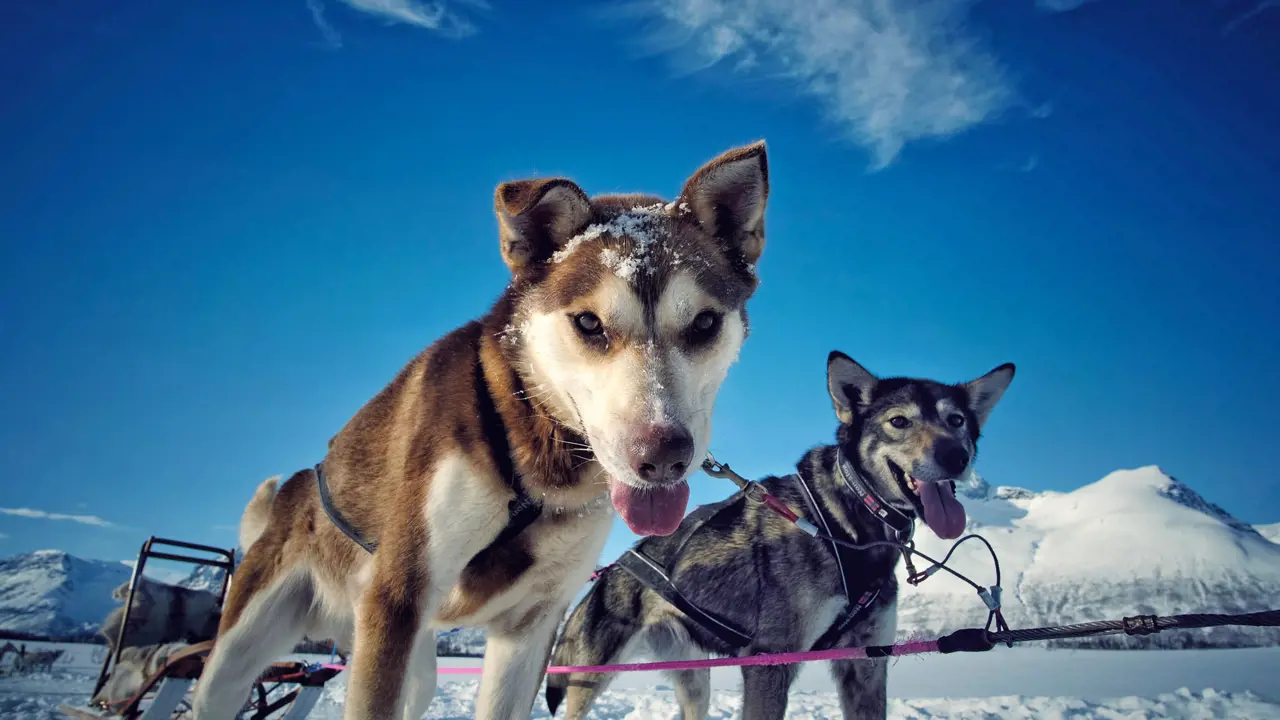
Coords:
pixel 382 466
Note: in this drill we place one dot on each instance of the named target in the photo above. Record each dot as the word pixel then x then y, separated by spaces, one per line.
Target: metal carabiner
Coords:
pixel 754 491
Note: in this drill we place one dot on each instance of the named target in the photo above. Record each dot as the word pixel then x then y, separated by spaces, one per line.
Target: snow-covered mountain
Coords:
pixel 207 577
pixel 51 593
pixel 1135 542
pixel 462 641
pixel 1270 532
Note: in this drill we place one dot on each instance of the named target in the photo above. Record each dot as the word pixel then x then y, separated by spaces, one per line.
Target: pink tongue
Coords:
pixel 650 511
pixel 942 512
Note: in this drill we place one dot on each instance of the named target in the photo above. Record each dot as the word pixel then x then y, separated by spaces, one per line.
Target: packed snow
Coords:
pixel 1020 683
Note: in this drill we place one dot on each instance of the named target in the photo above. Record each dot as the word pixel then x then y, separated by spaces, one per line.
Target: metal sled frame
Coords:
pixel 183 668
pixel 226 561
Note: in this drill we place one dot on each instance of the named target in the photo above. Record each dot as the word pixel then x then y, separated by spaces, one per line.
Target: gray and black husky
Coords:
pixel 738 579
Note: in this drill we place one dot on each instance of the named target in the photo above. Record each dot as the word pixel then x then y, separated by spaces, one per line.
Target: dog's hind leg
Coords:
pixel 764 691
pixel 598 632
pixel 264 618
pixel 693 692
pixel 670 641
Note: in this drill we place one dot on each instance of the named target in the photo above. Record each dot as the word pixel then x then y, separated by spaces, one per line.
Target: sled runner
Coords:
pixel 170 685
pixel 162 692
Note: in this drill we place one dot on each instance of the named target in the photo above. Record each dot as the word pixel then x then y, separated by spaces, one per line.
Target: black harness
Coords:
pixel 651 573
pixel 522 510
pixel 844 560
pixel 859 595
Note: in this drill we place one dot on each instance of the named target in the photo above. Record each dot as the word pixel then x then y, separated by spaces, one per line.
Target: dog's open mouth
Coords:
pixel 937 501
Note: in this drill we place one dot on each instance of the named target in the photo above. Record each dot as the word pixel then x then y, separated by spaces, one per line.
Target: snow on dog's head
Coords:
pixel 630 311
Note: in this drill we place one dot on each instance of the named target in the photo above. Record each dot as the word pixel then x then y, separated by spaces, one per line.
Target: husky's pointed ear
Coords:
pixel 849 383
pixel 727 196
pixel 987 390
pixel 537 217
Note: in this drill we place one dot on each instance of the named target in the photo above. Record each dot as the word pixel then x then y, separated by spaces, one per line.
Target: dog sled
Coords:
pixel 286 691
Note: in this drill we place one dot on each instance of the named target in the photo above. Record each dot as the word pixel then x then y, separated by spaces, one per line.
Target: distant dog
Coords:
pixel 162 613
pixel 474 488
pixel 751 582
pixel 39 660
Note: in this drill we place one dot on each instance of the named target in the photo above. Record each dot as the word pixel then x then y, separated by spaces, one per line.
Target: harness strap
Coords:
pixel 651 573
pixel 842 622
pixel 654 576
pixel 522 510
pixel 826 528
pixel 854 607
pixel 335 515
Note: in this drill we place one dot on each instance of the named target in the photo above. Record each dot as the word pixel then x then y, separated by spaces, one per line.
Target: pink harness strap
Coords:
pixel 917 647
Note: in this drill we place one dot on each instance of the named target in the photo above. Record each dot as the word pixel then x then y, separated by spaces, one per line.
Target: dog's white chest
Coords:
pixel 565 551
pixel 821 618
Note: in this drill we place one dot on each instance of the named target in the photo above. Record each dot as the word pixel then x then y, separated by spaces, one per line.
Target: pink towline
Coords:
pixel 917 647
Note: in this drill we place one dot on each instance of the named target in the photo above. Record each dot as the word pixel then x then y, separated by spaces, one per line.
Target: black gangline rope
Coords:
pixel 1139 625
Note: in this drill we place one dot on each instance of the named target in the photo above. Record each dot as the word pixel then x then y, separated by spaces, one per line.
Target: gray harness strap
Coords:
pixel 651 573
pixel 335 515
pixel 855 606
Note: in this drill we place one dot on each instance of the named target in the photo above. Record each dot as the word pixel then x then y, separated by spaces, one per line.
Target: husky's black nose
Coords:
pixel 662 453
pixel 951 457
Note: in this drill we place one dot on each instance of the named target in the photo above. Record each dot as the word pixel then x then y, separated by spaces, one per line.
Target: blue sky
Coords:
pixel 224 226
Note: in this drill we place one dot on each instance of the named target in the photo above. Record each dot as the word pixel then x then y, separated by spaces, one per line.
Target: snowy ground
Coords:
pixel 1019 683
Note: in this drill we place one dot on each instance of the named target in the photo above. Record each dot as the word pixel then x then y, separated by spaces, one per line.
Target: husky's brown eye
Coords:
pixel 955 420
pixel 899 422
pixel 704 327
pixel 588 324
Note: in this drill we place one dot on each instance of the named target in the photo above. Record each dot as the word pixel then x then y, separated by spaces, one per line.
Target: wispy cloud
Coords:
pixel 332 39
pixel 1029 165
pixel 888 72
pixel 1061 5
pixel 43 515
pixel 435 15
pixel 1250 14
pixel 3 536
